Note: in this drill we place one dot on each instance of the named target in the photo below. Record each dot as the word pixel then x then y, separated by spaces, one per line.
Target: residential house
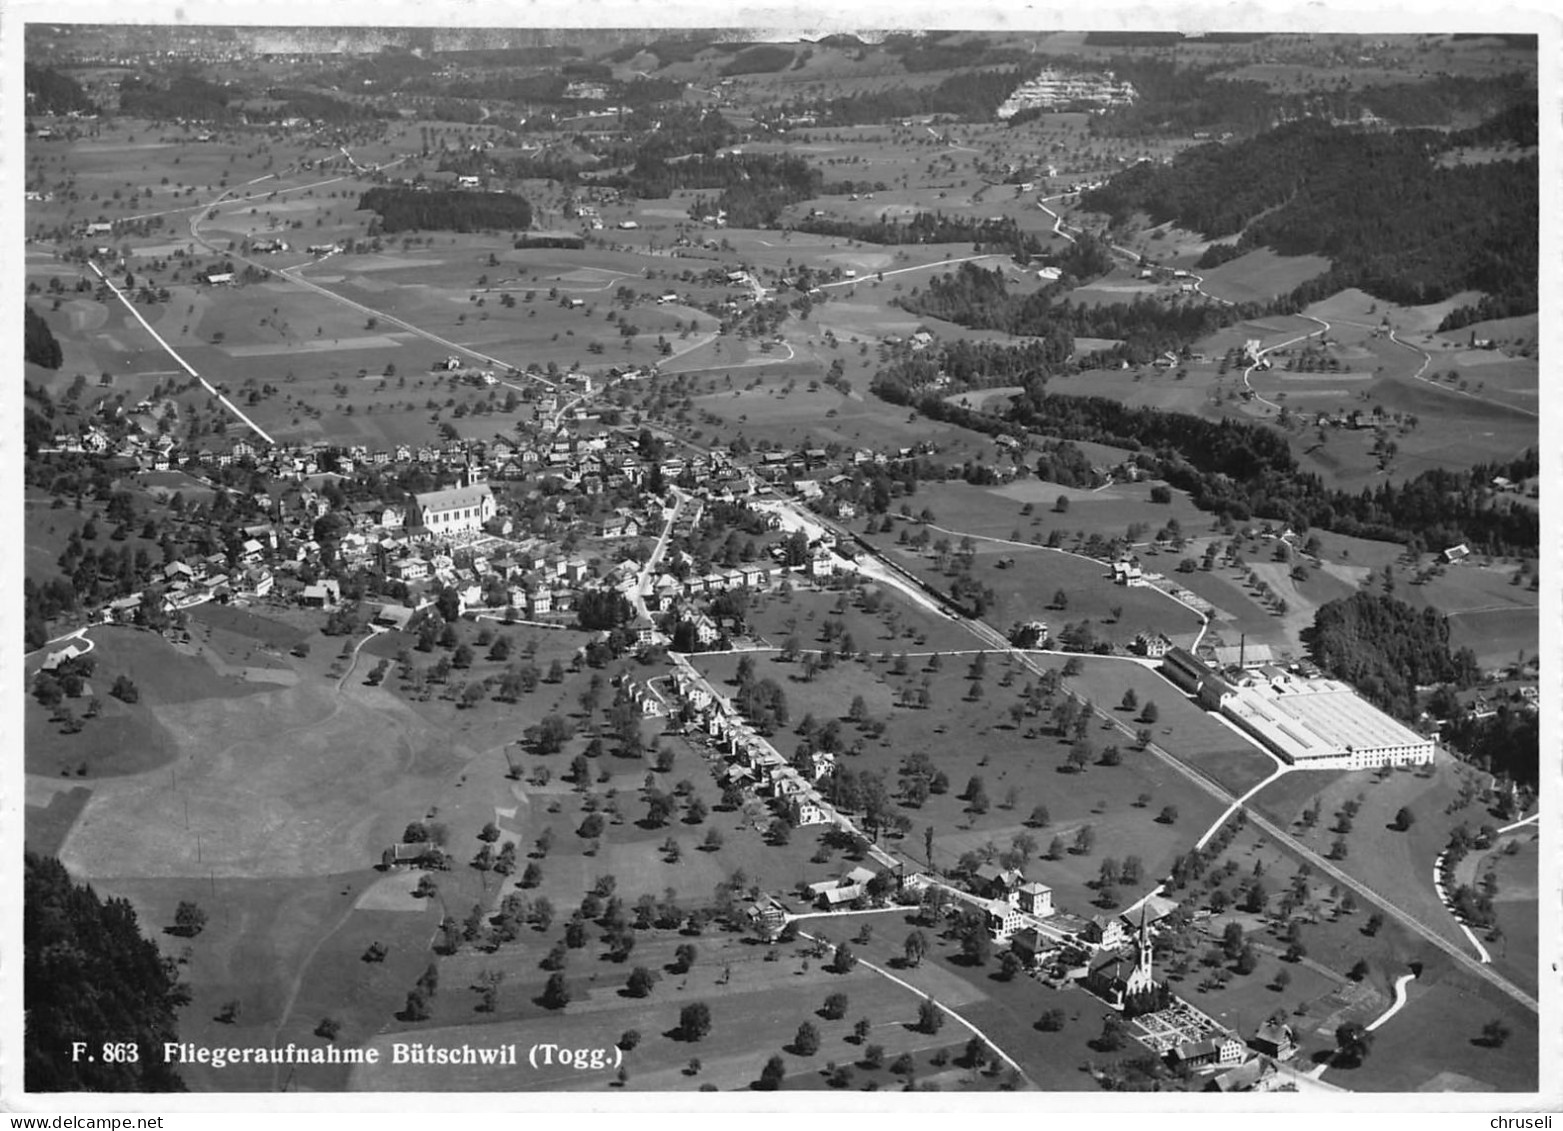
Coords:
pixel 802 811
pixel 1224 1050
pixel 1004 919
pixel 1152 644
pixel 1106 932
pixel 1035 899
pixel 992 882
pixel 325 592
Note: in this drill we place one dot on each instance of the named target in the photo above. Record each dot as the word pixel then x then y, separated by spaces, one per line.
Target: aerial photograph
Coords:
pixel 611 560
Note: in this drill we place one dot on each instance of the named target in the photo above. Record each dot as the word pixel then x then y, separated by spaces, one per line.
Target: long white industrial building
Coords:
pixel 1319 723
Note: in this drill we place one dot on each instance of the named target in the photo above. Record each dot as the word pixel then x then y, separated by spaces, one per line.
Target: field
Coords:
pixel 755 1007
pixel 1398 864
pixel 1261 275
pixel 1319 996
pixel 1185 730
pixel 1028 591
pixel 967 738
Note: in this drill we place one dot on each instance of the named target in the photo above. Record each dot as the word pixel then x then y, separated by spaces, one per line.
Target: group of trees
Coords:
pixel 979 298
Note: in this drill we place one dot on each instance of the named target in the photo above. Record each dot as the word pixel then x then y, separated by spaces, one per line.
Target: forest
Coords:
pixel 54 93
pixel 39 344
pixel 89 974
pixel 185 96
pixel 1386 649
pixel 1390 220
pixel 450 210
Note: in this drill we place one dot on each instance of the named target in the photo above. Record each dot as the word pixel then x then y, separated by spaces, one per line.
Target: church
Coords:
pixel 462 509
pixel 1119 974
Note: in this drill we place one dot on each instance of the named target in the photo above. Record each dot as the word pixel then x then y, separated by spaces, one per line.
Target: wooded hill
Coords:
pixel 1391 221
pixel 1385 649
pixel 88 974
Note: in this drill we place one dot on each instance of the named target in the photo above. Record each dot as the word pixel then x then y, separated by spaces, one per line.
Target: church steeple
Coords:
pixel 1145 943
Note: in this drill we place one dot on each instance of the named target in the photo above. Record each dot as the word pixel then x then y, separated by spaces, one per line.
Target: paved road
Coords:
pixel 185 365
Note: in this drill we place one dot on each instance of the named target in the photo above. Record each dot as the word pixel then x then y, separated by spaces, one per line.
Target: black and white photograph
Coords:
pixel 569 562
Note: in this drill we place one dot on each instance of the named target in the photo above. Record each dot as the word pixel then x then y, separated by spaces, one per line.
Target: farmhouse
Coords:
pixel 1274 1038
pixel 455 510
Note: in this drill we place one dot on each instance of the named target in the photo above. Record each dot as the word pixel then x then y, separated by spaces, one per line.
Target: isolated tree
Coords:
pixel 806 1042
pixel 835 1007
pixel 417 1007
pixel 629 1039
pixel 1352 1043
pixel 1496 1033
pixel 556 994
pixel 1149 714
pixel 1404 819
pixel 1130 700
pixel 694 1021
pixel 641 981
pixel 1374 924
pixel 1040 818
pixel 1359 970
pixel 771 1076
pixel 916 947
pixel 1168 815
pixel 930 1018
pixel 189 919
